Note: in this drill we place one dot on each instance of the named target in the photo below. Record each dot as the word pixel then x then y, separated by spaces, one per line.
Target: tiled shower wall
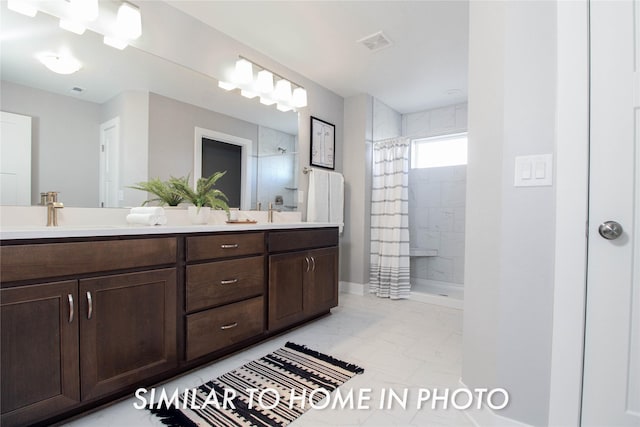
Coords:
pixel 437 200
pixel 436 221
pixel 276 168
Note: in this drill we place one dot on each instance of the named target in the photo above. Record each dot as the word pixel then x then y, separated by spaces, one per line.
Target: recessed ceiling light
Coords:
pixel 61 64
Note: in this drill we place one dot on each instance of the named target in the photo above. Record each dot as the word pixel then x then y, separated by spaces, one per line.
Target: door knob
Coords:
pixel 610 230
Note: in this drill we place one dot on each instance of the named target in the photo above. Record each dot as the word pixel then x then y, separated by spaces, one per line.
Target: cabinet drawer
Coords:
pixel 221 282
pixel 224 245
pixel 221 327
pixel 291 240
pixel 26 262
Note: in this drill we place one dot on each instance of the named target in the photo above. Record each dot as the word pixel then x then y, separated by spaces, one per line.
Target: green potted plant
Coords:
pixel 203 198
pixel 164 191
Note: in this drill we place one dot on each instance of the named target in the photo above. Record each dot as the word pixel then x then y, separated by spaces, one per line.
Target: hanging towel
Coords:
pixel 326 198
pixel 318 196
pixel 336 199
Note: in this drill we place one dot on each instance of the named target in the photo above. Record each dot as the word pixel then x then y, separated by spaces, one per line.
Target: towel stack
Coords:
pixel 147 216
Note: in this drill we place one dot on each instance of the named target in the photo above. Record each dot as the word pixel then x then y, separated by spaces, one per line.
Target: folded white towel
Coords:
pixel 146 219
pixel 151 210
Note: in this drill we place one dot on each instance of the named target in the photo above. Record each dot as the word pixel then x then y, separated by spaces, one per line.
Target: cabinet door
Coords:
pixel 127 329
pixel 321 286
pixel 39 351
pixel 286 301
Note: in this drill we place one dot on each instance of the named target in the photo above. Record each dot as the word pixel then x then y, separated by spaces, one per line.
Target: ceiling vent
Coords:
pixel 376 41
pixel 77 90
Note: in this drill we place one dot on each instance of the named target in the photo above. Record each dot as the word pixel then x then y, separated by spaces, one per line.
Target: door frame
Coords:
pixel 114 152
pixel 572 194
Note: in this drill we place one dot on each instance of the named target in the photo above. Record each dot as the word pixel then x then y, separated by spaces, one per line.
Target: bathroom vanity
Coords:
pixel 89 316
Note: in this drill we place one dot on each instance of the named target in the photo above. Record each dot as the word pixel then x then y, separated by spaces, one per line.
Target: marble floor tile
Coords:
pixel 405 347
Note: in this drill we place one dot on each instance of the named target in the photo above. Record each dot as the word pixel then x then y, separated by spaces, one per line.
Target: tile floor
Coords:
pixel 401 344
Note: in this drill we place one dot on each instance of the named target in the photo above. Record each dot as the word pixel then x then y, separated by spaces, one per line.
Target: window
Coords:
pixel 447 150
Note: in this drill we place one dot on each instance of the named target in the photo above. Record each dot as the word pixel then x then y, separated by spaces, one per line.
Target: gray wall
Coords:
pixel 510 231
pixel 354 253
pixel 65 142
pixel 172 131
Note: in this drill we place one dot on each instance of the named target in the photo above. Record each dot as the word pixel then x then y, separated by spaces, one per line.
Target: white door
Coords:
pixel 109 163
pixel 15 159
pixel 611 389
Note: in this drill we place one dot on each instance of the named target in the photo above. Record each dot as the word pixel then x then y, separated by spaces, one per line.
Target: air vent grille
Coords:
pixel 376 41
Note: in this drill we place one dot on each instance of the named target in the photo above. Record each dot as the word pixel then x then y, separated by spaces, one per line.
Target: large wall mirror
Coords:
pixel 127 116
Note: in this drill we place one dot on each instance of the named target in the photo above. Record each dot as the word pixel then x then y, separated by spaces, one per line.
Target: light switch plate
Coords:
pixel 534 171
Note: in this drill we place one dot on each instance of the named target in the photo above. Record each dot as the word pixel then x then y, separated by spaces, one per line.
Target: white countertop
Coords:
pixel 42 232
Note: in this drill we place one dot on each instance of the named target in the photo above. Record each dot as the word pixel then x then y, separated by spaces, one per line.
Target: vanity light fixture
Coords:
pixel 22 6
pixel 119 27
pixel 287 95
pixel 80 13
pixel 60 63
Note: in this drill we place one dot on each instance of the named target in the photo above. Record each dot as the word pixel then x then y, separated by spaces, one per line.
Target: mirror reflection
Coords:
pixel 124 117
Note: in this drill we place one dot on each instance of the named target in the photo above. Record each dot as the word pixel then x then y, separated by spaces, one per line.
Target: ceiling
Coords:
pixel 424 67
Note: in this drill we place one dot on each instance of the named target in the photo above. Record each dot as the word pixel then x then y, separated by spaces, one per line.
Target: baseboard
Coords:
pixel 485 417
pixel 352 288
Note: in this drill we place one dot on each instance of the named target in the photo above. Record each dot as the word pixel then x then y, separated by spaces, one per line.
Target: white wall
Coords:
pixel 132 107
pixel 510 231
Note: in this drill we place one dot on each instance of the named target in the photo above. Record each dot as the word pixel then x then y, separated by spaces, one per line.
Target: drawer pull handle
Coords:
pixel 90 302
pixel 308 263
pixel 314 264
pixel 71 313
pixel 229 246
pixel 228 282
pixel 229 326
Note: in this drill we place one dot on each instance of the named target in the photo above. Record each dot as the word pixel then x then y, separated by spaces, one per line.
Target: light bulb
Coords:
pixel 129 21
pixel 264 83
pixel 283 91
pixel 61 64
pixel 244 72
pixel 299 97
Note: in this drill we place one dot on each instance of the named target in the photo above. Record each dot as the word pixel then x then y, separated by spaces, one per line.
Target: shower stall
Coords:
pixel 437 194
pixel 436 227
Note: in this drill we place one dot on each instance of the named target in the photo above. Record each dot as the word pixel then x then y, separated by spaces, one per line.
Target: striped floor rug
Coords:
pixel 264 392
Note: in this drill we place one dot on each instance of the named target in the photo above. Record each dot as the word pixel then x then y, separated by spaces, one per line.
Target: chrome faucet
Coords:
pixel 52 208
pixel 270 214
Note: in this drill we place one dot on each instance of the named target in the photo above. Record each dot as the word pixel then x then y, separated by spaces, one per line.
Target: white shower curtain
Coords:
pixel 389 272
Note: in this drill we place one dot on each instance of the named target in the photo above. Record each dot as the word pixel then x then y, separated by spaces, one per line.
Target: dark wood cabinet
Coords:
pixel 39 357
pixel 321 285
pixel 302 284
pixel 88 320
pixel 127 329
pixel 286 297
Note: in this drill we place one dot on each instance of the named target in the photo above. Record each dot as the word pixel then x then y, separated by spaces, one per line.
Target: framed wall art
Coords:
pixel 323 143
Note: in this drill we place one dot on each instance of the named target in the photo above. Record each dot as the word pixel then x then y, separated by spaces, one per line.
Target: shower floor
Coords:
pixel 435 292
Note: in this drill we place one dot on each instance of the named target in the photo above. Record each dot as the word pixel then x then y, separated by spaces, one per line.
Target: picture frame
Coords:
pixel 323 144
